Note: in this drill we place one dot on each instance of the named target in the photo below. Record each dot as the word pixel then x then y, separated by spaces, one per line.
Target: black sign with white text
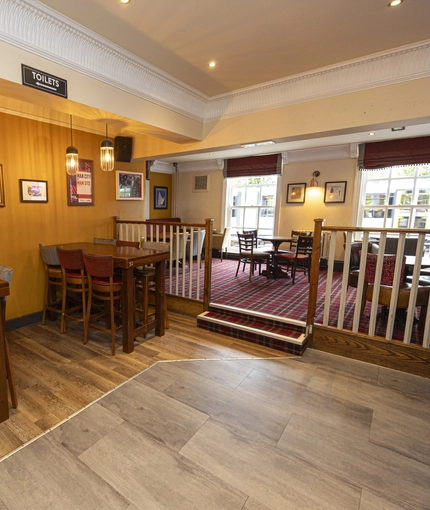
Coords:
pixel 43 81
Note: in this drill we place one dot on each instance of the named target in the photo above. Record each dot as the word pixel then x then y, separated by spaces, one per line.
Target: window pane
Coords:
pixel 252 196
pixel 236 218
pixel 250 218
pixel 238 196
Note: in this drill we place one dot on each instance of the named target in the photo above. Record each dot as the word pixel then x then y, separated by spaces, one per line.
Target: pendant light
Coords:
pixel 106 154
pixel 72 161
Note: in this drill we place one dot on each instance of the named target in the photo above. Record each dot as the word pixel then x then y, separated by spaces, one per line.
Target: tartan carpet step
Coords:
pixel 276 334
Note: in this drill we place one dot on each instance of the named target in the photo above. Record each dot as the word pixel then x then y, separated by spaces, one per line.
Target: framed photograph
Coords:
pixel 80 187
pixel 2 202
pixel 161 197
pixel 129 185
pixel 33 191
pixel 296 193
pixel 335 192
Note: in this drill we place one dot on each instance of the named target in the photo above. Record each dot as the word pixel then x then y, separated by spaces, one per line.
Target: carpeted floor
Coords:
pixel 280 298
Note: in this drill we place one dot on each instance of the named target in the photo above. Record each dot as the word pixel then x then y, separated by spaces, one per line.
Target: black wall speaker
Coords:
pixel 123 148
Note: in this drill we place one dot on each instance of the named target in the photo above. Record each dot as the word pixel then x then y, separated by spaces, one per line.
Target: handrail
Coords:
pixel 382 233
pixel 183 282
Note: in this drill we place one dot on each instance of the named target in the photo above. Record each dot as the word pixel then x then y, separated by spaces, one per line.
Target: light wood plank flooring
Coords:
pixel 56 375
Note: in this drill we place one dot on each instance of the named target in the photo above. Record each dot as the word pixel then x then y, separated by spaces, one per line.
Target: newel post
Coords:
pixel 209 223
pixel 313 285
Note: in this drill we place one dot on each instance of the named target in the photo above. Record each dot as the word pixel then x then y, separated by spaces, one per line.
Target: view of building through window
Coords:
pixel 396 197
pixel 251 203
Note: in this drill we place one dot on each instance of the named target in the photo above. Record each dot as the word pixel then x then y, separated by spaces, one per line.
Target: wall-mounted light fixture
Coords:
pixel 106 154
pixel 313 183
pixel 72 161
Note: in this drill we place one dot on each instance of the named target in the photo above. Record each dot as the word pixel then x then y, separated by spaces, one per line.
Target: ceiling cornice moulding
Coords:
pixel 32 26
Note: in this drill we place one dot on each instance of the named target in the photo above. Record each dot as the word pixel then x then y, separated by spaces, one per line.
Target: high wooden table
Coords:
pixel 4 405
pixel 127 259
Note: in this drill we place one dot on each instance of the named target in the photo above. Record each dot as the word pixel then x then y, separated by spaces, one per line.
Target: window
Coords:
pixel 395 197
pixel 251 204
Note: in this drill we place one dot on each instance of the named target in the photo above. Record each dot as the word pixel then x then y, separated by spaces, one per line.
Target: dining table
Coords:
pixel 4 405
pixel 276 243
pixel 127 258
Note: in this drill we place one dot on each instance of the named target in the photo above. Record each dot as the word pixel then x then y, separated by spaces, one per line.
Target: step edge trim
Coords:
pixel 283 338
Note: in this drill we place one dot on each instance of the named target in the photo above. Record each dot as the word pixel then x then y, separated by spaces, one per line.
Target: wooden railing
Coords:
pixel 339 340
pixel 189 275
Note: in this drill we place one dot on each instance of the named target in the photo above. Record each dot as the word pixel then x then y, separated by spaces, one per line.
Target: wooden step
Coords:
pixel 286 335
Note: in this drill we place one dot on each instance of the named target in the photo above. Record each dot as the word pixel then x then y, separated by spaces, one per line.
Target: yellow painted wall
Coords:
pixel 35 150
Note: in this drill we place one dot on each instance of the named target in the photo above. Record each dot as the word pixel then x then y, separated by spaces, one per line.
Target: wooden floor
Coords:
pixel 57 376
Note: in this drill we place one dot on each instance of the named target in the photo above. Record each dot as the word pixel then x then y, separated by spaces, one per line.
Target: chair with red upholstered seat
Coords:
pixel 300 260
pixel 386 287
pixel 104 288
pixel 145 282
pixel 74 286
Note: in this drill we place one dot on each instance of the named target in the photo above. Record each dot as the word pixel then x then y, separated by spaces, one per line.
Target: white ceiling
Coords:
pixel 252 41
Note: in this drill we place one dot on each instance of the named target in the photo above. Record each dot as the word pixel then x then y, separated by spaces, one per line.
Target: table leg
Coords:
pixel 160 284
pixel 128 310
pixel 4 405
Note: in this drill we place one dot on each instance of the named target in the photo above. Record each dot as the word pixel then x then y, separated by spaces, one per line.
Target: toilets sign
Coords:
pixel 43 81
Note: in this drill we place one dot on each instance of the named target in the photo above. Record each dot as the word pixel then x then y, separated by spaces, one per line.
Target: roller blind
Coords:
pixel 407 151
pixel 269 164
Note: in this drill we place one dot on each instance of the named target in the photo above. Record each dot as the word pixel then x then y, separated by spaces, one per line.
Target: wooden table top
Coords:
pixel 124 256
pixel 4 288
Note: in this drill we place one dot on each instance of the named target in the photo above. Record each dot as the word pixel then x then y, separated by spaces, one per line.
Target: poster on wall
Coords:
pixel 129 185
pixel 80 187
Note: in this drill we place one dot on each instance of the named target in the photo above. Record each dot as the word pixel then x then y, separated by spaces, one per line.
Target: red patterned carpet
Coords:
pixel 280 298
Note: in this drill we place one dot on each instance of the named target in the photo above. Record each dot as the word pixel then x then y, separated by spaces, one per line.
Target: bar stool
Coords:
pixel 53 280
pixel 6 274
pixel 145 281
pixel 103 286
pixel 74 284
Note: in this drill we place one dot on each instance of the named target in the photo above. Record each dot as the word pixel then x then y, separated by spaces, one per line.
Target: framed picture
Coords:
pixel 335 192
pixel 296 193
pixel 33 191
pixel 2 202
pixel 80 187
pixel 161 197
pixel 129 185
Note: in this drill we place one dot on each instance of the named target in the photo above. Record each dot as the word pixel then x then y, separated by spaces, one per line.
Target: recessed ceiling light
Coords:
pixel 371 134
pixel 395 3
pixel 212 64
pixel 124 1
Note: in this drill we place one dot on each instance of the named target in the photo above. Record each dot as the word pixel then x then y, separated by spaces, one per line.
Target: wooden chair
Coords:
pixel 6 275
pixel 145 282
pixel 52 297
pixel 104 287
pixel 386 287
pixel 132 244
pixel 197 246
pixel 298 261
pixel 74 286
pixel 104 240
pixel 249 254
